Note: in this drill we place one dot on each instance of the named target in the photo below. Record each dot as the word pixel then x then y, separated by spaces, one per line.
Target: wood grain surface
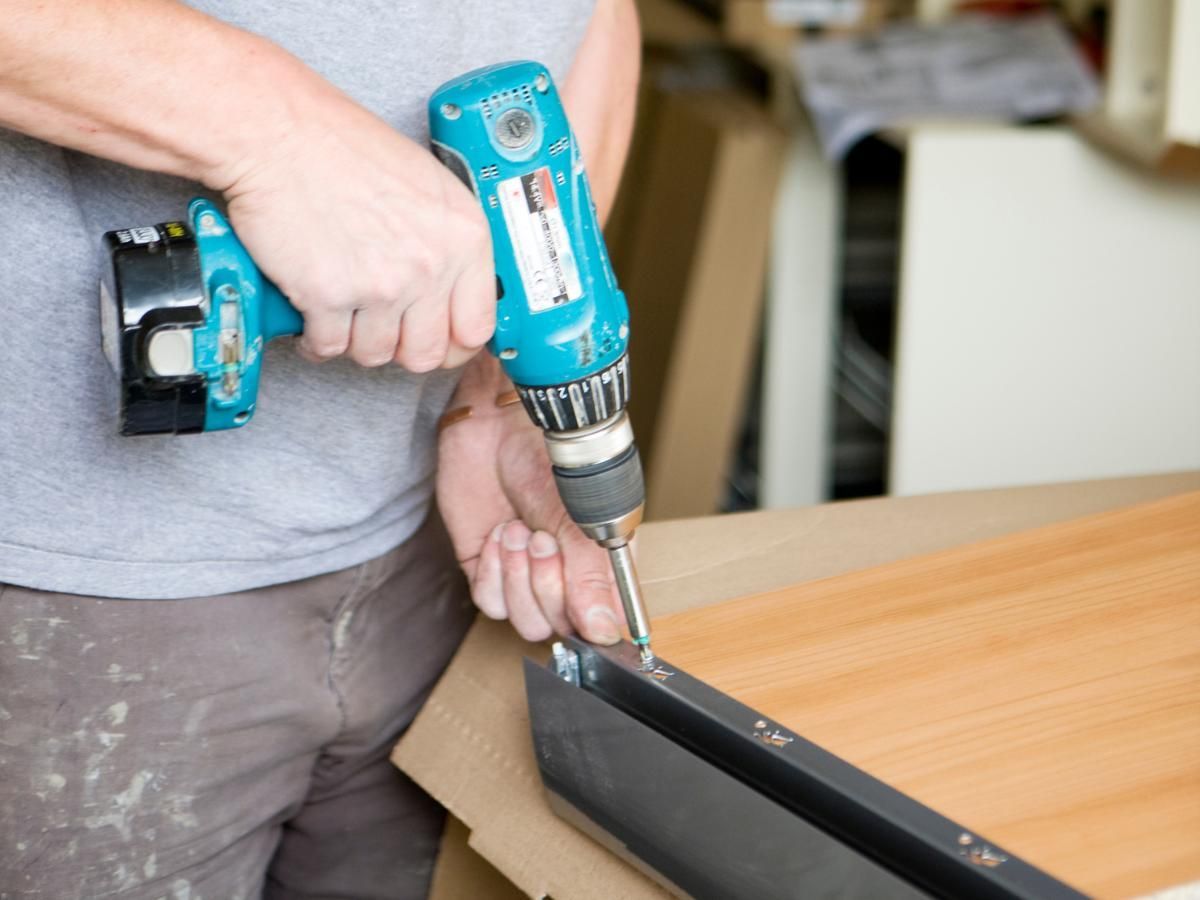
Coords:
pixel 1042 689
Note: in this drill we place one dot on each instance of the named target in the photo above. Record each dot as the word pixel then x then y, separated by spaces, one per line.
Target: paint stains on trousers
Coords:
pixel 224 747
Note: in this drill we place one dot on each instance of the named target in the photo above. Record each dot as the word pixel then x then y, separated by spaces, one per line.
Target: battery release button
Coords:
pixel 170 353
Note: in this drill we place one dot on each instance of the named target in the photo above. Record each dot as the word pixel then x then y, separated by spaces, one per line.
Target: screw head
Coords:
pixel 541 82
pixel 761 723
pixel 451 111
pixel 965 839
pixel 508 353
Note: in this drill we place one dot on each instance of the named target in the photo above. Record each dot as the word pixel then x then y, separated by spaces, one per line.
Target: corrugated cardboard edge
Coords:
pixel 461 872
pixel 470 747
pixel 689 240
pixel 716 335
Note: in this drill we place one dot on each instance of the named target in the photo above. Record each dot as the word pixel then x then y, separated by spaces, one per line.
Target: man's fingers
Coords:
pixel 459 356
pixel 601 625
pixel 546 577
pixel 473 305
pixel 424 337
pixel 326 334
pixel 472 313
pixel 374 335
pixel 487 587
pixel 523 610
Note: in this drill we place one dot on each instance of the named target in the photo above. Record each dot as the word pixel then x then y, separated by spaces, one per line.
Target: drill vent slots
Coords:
pixel 491 105
pixel 487 172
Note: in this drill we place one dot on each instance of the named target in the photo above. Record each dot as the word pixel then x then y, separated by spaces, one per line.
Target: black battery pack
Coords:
pixel 152 280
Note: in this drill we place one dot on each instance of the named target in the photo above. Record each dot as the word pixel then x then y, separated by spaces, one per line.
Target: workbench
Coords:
pixel 470 747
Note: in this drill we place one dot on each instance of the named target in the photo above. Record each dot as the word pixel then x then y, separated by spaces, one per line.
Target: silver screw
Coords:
pixel 541 82
pixel 451 111
pixel 761 723
pixel 965 839
pixel 508 353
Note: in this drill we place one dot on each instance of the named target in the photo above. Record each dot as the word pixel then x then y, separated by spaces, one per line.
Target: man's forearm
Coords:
pixel 149 83
pixel 600 95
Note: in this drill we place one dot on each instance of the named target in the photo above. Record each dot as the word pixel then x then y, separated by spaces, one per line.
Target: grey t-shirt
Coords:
pixel 337 465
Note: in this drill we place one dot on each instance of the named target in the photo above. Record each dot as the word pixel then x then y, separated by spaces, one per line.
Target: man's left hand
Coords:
pixel 526 560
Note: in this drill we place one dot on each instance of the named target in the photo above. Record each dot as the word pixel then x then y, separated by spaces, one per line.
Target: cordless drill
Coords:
pixel 185 312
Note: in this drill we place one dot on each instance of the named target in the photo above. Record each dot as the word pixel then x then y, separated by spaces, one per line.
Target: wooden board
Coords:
pixel 1042 689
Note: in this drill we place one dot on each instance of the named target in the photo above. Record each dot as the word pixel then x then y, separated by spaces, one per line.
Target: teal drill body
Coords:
pixel 247 311
pixel 560 315
pixel 562 325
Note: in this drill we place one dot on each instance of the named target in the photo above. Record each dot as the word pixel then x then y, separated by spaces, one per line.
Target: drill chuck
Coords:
pixel 599 477
pixel 605 499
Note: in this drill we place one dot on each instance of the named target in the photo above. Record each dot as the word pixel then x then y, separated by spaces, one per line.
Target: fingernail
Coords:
pixel 491 604
pixel 602 626
pixel 516 536
pixel 542 545
pixel 496 532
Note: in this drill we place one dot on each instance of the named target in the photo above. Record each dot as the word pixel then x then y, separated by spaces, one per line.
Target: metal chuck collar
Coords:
pixel 599 477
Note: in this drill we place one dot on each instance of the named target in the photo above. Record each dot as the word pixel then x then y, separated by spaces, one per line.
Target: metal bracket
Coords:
pixel 719 801
pixel 565 663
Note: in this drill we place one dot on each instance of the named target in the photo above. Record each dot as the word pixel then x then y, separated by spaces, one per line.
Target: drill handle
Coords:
pixel 225 259
pixel 279 316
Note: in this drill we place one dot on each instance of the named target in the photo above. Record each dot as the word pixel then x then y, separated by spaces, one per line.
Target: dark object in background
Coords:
pixel 869 278
pixel 873 177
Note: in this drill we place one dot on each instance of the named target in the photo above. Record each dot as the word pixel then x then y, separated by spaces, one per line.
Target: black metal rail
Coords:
pixel 722 802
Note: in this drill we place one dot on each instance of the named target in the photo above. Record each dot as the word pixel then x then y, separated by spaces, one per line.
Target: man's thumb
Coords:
pixel 590 592
pixel 601 626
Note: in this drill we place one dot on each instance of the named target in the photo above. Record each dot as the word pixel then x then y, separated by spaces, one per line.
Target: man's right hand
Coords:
pixel 384 252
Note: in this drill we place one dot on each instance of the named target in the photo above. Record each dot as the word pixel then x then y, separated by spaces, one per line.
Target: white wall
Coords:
pixel 1049 325
pixel 800 329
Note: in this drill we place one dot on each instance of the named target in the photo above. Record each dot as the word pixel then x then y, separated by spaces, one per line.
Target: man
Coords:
pixel 209 644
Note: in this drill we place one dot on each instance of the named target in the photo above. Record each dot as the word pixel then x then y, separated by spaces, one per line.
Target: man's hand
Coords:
pixel 384 252
pixel 526 560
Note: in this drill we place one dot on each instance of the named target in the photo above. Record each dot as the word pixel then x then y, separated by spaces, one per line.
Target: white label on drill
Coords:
pixel 145 235
pixel 539 240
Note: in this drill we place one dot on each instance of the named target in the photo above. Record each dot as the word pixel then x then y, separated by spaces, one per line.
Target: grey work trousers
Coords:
pixel 225 747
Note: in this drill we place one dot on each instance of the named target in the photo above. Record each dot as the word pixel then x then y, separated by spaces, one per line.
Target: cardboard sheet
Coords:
pixel 688 240
pixel 470 746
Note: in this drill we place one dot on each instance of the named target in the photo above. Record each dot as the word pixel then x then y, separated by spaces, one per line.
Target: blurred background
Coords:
pixel 904 246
